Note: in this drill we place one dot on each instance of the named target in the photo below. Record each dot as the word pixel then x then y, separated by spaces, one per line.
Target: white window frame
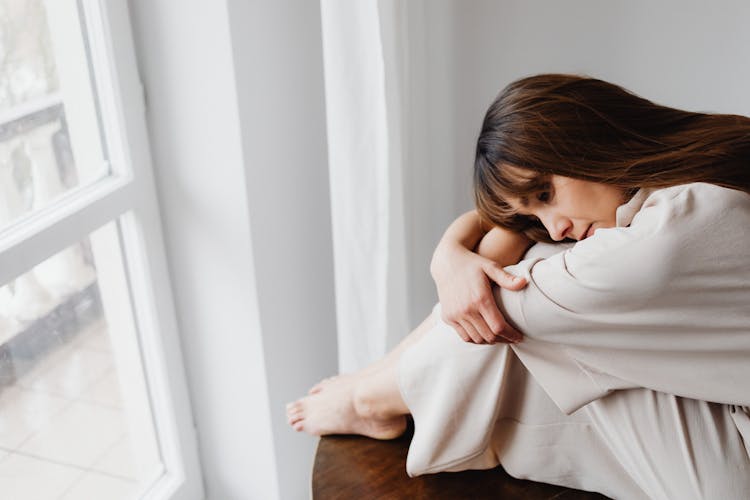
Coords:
pixel 127 196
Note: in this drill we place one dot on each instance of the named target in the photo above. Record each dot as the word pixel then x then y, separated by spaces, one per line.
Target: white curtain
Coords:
pixel 363 58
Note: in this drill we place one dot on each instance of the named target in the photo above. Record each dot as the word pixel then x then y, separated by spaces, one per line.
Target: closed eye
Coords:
pixel 545 196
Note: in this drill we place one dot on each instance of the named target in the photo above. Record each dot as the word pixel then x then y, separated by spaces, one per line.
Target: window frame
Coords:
pixel 127 196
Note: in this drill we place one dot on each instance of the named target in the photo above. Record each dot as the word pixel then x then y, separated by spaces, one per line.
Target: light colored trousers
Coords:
pixel 477 406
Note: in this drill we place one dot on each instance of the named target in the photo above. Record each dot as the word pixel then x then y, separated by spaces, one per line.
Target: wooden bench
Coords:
pixel 355 467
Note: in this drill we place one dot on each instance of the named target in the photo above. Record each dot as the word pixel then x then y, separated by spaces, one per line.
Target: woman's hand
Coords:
pixel 463 279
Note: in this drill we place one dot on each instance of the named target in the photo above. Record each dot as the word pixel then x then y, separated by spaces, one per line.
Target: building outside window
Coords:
pixel 89 405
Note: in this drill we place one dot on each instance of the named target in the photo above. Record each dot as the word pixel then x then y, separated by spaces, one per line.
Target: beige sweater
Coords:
pixel 661 301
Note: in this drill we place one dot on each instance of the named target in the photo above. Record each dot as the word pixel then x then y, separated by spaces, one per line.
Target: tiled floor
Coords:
pixel 63 433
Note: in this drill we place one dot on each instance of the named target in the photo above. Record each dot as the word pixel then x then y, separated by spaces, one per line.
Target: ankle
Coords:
pixel 365 401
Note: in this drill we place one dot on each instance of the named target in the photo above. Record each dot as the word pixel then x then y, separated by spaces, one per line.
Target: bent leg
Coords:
pixel 635 443
pixel 389 360
pixel 477 406
pixel 367 402
pixel 675 447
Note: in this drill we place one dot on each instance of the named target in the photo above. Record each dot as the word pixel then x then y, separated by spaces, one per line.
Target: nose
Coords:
pixel 558 227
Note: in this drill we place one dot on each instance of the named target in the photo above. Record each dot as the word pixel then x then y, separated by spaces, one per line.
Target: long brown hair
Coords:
pixel 593 130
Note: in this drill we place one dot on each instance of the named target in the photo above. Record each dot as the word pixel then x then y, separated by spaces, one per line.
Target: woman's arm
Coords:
pixel 467 230
pixel 504 247
pixel 466 259
pixel 660 304
pixel 468 233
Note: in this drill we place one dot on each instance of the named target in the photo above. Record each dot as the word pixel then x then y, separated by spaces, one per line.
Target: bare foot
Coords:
pixel 319 386
pixel 328 380
pixel 330 410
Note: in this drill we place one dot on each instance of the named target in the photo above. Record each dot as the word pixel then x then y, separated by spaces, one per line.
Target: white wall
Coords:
pixel 277 49
pixel 236 115
pixel 690 54
pixel 435 186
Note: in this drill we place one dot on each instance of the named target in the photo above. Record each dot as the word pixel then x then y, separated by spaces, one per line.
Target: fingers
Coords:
pixel 496 323
pixel 461 332
pixel 510 334
pixel 471 332
pixel 504 279
pixel 491 314
pixel 473 312
pixel 480 326
pixel 474 329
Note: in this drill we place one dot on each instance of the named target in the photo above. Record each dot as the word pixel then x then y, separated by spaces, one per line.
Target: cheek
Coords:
pixel 591 205
pixel 608 205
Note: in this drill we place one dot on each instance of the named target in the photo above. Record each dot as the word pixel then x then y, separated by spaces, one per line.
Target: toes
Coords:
pixel 295 418
pixel 294 412
pixel 298 426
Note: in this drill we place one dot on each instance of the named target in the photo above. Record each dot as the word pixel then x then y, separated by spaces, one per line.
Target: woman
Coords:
pixel 633 375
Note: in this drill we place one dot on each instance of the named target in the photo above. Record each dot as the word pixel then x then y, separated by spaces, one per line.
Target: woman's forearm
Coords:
pixel 463 233
pixel 468 259
pixel 503 246
pixel 467 231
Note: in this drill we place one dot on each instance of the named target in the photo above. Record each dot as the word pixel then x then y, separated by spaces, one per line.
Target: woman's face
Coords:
pixel 572 208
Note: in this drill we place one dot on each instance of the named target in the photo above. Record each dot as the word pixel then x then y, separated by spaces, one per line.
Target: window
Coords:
pixel 91 405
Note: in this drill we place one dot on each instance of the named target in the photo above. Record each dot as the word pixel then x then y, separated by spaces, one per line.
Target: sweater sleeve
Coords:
pixel 662 304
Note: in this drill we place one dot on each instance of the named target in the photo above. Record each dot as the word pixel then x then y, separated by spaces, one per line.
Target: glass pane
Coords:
pixel 50 140
pixel 75 417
